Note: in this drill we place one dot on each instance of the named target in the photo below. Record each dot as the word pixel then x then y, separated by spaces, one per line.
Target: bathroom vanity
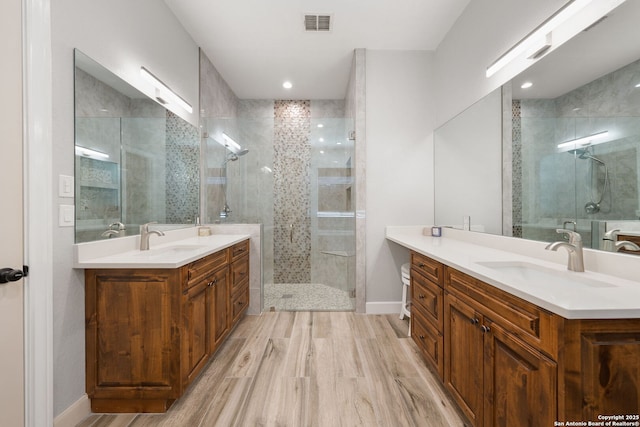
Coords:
pixel 513 355
pixel 152 328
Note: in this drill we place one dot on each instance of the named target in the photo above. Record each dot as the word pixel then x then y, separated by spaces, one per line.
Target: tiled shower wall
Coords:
pixel 291 168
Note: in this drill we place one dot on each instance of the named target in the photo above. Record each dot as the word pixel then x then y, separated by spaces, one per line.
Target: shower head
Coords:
pixel 232 157
pixel 584 153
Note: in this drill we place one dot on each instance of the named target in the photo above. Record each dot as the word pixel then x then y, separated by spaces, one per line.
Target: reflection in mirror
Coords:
pixel 588 86
pixel 136 162
pixel 468 168
pixel 576 136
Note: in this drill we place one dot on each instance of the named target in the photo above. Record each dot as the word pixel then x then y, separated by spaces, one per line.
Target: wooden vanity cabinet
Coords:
pixel 150 332
pixel 509 362
pixel 427 309
pixel 492 369
pixel 239 291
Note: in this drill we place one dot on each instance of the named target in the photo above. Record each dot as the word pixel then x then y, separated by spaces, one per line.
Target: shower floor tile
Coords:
pixel 306 297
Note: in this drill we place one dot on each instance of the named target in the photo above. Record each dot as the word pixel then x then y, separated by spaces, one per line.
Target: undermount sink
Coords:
pixel 541 276
pixel 169 250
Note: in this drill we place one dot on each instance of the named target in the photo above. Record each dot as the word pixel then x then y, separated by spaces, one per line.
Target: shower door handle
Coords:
pixel 291 233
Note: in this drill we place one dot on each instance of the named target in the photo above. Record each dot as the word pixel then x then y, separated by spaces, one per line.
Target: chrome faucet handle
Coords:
pixel 611 234
pixel 574 237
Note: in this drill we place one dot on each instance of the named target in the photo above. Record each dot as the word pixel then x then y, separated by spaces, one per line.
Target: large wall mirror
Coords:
pixel 135 161
pixel 570 143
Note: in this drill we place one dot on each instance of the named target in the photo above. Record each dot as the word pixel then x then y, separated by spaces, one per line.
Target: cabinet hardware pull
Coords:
pixel 421 265
pixel 485 329
pixel 474 321
pixel 421 296
pixel 421 337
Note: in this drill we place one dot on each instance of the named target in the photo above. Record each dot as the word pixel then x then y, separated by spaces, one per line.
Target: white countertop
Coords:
pixel 600 296
pixel 172 253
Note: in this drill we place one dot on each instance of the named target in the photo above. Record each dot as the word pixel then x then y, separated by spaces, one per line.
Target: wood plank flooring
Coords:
pixel 309 369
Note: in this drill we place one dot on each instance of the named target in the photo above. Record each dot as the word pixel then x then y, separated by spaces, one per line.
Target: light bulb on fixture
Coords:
pixel 163 91
pixel 287 85
pixel 594 139
pixel 526 85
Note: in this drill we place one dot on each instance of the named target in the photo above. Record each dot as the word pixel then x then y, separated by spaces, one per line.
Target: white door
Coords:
pixel 11 219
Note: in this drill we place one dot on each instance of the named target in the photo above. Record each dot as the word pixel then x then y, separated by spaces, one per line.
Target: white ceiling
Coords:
pixel 258 44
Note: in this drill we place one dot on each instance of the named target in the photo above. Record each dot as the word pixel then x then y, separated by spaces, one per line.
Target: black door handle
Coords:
pixel 10 275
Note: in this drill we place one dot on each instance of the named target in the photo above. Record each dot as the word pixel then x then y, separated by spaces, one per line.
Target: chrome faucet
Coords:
pixel 119 227
pixel 110 233
pixel 145 233
pixel 612 244
pixel 573 246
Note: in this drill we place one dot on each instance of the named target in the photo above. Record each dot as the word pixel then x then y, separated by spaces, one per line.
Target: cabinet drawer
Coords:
pixel 239 274
pixel 430 342
pixel 197 270
pixel 427 298
pixel 433 270
pixel 240 302
pixel 525 320
pixel 239 250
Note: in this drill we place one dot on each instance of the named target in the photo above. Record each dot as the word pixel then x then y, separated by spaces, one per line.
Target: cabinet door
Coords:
pixel 519 382
pixel 610 373
pixel 129 335
pixel 219 312
pixel 195 348
pixel 463 357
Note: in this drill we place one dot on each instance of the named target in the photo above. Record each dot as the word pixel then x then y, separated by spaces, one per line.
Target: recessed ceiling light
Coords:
pixel 321 152
pixel 321 139
pixel 338 143
pixel 287 85
pixel 526 85
pixel 320 125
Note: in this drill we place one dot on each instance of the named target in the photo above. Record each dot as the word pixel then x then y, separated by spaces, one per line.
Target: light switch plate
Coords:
pixel 66 216
pixel 65 186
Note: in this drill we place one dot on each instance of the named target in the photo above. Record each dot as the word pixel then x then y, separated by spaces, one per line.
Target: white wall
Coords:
pixel 485 30
pixel 121 35
pixel 399 129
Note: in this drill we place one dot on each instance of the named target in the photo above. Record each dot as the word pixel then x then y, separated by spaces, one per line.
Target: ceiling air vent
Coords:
pixel 316 22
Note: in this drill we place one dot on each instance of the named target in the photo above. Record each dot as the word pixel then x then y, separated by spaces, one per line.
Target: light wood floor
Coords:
pixel 309 369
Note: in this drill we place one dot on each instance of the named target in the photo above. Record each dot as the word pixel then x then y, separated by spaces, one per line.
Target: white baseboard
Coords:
pixel 75 413
pixel 389 307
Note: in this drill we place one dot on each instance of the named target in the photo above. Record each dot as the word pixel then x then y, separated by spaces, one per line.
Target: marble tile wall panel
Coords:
pixel 216 97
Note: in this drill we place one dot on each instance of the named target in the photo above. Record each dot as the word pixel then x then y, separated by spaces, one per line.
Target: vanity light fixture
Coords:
pixel 594 139
pixel 287 85
pixel 526 85
pixel 88 152
pixel 231 144
pixel 163 91
pixel 538 42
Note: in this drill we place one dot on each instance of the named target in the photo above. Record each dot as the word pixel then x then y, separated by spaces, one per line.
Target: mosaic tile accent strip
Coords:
pixel 517 169
pixel 183 171
pixel 291 172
